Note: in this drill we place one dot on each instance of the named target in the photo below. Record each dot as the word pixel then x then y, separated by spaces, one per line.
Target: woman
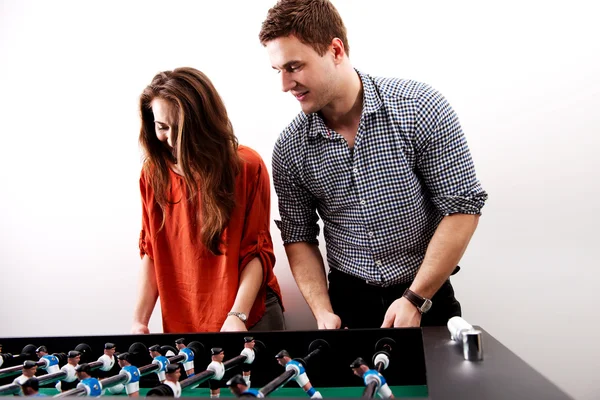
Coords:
pixel 205 243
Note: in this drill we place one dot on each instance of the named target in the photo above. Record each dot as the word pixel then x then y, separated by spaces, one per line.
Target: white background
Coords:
pixel 522 76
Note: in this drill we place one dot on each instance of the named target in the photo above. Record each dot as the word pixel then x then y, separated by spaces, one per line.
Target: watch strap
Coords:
pixel 421 303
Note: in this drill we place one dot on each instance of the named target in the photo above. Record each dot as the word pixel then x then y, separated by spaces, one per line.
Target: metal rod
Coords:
pixel 277 382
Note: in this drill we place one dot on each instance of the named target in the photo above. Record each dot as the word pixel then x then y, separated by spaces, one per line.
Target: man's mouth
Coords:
pixel 300 95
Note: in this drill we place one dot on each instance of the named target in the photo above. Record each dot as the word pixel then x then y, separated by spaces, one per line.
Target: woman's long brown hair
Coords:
pixel 205 149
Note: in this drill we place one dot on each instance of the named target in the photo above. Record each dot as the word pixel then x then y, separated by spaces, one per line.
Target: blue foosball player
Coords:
pixel 361 369
pixel 161 360
pixel 92 386
pixel 239 387
pixel 132 384
pixel 284 359
pixel 188 361
pixel 50 360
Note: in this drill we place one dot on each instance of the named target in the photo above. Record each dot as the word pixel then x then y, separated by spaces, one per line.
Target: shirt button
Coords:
pixel 371 234
pixel 363 202
pixel 355 170
pixel 378 263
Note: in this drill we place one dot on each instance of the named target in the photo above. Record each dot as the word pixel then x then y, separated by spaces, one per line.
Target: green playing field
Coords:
pixel 399 391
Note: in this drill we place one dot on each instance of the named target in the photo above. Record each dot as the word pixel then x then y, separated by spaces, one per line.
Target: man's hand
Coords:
pixel 328 320
pixel 402 314
pixel 233 324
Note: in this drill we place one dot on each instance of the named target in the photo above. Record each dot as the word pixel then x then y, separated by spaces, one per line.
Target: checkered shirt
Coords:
pixel 382 201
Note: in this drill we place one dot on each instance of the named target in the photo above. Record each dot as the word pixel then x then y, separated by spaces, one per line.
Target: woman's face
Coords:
pixel 165 123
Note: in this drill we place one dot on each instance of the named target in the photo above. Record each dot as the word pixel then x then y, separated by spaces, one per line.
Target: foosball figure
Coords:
pixel 172 379
pixel 239 387
pixel 188 362
pixel 70 381
pixel 284 359
pixel 361 369
pixel 50 360
pixel 132 385
pixel 108 358
pixel 91 385
pixel 217 355
pixel 108 361
pixel 160 360
pixel 28 371
pixel 249 353
pixel 31 387
pixel 4 356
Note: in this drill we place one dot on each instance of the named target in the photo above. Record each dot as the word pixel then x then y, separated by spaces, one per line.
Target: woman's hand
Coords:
pixel 233 324
pixel 139 329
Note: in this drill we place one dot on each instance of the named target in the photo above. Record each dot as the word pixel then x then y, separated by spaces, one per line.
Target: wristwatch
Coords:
pixel 422 304
pixel 240 315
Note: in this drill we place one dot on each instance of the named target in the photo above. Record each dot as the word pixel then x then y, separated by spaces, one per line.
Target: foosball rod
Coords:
pixel 115 380
pixel 14 388
pixel 28 353
pixel 383 349
pixel 315 348
pixel 163 390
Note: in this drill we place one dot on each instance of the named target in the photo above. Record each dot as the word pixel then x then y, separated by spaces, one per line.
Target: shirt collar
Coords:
pixel 371 103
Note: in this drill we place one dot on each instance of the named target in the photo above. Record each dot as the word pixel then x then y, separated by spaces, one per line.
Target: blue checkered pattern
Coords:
pixel 381 201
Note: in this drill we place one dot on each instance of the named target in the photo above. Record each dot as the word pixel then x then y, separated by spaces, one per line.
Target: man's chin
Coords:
pixel 309 108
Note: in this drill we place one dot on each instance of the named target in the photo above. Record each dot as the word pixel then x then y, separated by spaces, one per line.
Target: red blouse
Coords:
pixel 196 288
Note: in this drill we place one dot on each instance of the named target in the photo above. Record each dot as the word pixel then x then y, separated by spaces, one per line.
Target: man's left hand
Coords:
pixel 402 314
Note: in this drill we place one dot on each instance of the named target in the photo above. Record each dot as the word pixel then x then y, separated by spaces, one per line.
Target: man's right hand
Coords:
pixel 139 329
pixel 328 320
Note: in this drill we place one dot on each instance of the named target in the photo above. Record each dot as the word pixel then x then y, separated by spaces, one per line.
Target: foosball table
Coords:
pixel 455 362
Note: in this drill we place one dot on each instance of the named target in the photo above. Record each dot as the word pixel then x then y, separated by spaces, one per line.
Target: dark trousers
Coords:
pixel 273 319
pixel 361 305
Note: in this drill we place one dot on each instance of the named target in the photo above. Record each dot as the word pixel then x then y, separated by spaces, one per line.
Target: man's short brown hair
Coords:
pixel 313 22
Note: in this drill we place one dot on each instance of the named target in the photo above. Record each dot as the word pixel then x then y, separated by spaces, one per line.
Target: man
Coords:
pixel 173 375
pixel 92 386
pixel 132 385
pixel 385 164
pixel 239 387
pixel 362 370
pixel 284 359
pixel 50 360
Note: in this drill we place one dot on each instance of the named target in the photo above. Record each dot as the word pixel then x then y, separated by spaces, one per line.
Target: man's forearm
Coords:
pixel 308 270
pixel 445 250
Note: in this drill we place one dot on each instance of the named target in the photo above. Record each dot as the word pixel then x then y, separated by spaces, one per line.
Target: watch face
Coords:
pixel 426 306
pixel 242 316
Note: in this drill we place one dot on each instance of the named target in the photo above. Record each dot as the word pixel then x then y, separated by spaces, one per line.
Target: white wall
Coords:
pixel 523 77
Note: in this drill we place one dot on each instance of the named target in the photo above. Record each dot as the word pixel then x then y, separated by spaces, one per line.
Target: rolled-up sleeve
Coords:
pixel 256 239
pixel 145 241
pixel 297 207
pixel 444 159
